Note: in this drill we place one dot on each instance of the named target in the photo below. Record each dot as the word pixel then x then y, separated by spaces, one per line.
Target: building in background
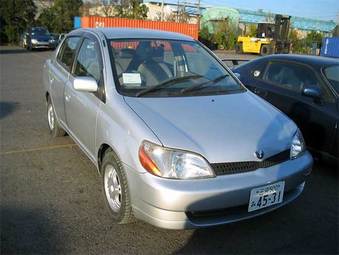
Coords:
pixel 247 18
pixel 182 11
pixel 190 11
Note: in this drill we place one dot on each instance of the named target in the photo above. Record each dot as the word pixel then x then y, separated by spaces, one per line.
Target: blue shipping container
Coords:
pixel 77 22
pixel 330 47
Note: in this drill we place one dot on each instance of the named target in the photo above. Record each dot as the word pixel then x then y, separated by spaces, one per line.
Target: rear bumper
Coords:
pixel 182 204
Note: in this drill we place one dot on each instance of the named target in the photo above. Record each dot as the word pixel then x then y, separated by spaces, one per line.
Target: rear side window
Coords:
pixel 67 52
pixel 290 76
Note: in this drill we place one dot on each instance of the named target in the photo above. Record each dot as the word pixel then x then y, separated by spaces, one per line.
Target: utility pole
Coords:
pixel 162 10
pixel 199 15
pixel 178 11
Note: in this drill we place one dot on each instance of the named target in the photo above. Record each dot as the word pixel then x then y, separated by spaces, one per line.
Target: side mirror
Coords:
pixel 237 75
pixel 86 84
pixel 312 91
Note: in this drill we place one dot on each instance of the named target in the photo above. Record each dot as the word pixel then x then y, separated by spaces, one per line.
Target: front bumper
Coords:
pixel 182 204
pixel 42 45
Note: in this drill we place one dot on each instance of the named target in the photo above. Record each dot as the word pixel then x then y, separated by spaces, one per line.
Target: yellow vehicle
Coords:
pixel 247 44
pixel 270 38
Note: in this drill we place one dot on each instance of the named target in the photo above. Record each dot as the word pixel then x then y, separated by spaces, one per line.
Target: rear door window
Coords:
pixel 67 51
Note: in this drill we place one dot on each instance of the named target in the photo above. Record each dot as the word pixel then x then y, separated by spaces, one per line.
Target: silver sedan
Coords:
pixel 179 141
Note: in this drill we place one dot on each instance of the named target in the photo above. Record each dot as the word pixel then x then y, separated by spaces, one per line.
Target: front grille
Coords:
pixel 247 166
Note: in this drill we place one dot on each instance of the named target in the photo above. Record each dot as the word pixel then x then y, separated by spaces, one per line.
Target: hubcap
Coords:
pixel 112 188
pixel 50 116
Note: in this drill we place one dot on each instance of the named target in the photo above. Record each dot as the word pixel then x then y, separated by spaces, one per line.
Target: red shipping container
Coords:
pixel 183 28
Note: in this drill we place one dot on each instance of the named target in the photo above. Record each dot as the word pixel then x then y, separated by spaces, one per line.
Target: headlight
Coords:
pixel 172 163
pixel 34 41
pixel 297 146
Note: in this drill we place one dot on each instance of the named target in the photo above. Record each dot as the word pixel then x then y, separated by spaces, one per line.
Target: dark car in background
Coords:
pixel 306 88
pixel 37 38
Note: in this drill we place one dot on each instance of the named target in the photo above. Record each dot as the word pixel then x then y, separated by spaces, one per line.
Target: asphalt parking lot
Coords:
pixel 51 201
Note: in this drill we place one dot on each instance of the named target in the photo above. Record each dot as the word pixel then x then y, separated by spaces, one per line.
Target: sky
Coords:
pixel 317 9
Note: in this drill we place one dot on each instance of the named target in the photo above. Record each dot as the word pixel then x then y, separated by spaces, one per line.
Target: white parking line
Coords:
pixel 52 147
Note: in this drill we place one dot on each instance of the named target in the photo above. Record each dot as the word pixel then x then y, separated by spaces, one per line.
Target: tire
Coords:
pixel 115 189
pixel 265 50
pixel 239 48
pixel 53 125
pixel 29 47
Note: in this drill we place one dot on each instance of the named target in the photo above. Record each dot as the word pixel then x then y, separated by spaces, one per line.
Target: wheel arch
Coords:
pixel 47 96
pixel 104 147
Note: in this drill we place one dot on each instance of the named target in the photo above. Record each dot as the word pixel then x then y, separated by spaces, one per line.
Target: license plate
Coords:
pixel 266 196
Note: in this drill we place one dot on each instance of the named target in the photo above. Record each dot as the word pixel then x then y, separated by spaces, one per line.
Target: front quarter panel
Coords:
pixel 120 128
pixel 45 79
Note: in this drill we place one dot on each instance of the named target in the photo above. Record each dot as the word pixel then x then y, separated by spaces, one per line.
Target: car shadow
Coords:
pixel 7 108
pixel 12 51
pixel 28 231
pixel 6 50
pixel 308 225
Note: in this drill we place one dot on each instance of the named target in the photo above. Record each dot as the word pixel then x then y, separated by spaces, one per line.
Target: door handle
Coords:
pixel 50 77
pixel 256 91
pixel 68 98
pixel 260 92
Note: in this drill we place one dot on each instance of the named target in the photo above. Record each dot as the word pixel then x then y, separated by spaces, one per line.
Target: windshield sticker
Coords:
pixel 133 79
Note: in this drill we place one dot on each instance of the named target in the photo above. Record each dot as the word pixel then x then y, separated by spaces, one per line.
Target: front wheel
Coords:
pixel 265 50
pixel 115 189
pixel 53 124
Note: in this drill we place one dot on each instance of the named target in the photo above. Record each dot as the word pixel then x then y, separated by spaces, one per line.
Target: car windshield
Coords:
pixel 39 31
pixel 147 67
pixel 332 75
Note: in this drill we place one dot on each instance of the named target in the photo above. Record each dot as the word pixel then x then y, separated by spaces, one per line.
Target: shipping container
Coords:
pixel 330 47
pixel 183 28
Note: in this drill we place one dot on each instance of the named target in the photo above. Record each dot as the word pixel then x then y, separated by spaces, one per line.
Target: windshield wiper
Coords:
pixel 202 85
pixel 167 83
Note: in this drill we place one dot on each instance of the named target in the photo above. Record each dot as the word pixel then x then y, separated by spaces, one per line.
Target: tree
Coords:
pixel 84 9
pixel 298 44
pixel 108 10
pixel 131 9
pixel 16 16
pixel 46 19
pixel 65 11
pixel 336 31
pixel 314 37
pixel 59 17
pixel 3 36
pixel 225 35
pixel 304 45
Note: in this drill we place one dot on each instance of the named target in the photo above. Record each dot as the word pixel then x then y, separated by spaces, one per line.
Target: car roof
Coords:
pixel 136 33
pixel 315 61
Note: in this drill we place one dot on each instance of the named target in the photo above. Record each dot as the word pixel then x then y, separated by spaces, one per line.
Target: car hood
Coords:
pixel 223 128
